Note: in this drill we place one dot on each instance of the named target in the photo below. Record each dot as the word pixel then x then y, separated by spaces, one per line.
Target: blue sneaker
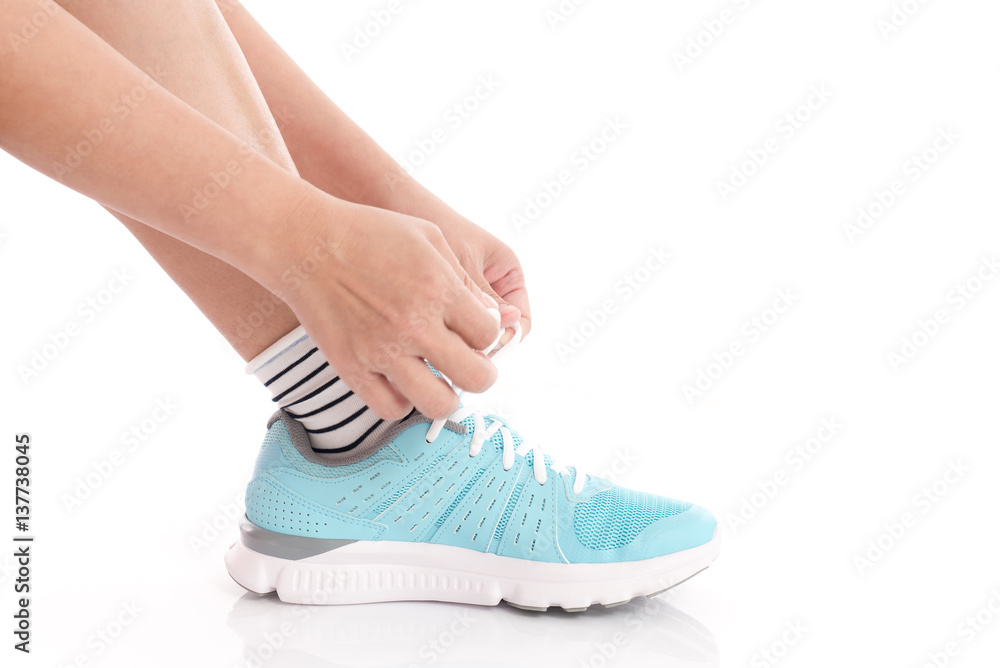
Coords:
pixel 461 510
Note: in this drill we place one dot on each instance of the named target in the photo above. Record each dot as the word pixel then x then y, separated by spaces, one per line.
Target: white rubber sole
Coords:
pixel 377 571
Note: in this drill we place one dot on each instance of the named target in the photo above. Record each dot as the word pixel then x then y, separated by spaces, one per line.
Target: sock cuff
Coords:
pixel 289 340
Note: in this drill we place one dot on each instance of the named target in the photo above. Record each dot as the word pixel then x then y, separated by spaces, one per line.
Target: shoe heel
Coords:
pixel 255 572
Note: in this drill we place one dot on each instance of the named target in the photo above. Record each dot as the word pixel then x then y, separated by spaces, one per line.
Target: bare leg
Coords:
pixel 187 47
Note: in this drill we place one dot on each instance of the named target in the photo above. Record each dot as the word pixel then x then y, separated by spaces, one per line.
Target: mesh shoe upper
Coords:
pixel 407 489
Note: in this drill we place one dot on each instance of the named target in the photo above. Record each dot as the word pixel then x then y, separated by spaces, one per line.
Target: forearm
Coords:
pixel 329 149
pixel 78 111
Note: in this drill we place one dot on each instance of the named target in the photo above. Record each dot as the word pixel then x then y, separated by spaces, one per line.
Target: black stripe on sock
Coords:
pixel 304 380
pixel 321 409
pixel 353 445
pixel 291 366
pixel 348 420
pixel 313 393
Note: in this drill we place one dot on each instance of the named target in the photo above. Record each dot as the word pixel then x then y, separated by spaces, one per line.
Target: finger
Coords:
pixel 519 298
pixel 508 334
pixel 507 280
pixel 432 396
pixel 467 317
pixel 444 249
pixel 467 369
pixel 379 395
pixel 509 314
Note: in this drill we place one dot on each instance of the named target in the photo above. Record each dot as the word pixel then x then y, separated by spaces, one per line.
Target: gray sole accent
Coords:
pixel 617 603
pixel 657 593
pixel 529 608
pixel 283 546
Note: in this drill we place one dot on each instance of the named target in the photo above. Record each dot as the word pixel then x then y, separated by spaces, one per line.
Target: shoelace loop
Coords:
pixel 481 433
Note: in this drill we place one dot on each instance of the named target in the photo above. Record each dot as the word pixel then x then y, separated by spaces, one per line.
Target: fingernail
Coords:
pixel 508 334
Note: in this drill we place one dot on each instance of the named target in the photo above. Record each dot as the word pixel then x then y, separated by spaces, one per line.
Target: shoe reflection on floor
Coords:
pixel 643 632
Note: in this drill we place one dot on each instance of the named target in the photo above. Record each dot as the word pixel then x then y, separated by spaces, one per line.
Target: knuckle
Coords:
pixel 480 376
pixel 432 232
pixel 417 336
pixel 438 404
pixel 397 409
pixel 485 335
pixel 387 405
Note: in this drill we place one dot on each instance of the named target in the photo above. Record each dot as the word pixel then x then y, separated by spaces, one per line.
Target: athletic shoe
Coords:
pixel 462 510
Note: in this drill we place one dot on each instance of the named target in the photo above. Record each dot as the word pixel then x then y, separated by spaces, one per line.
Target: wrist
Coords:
pixel 292 247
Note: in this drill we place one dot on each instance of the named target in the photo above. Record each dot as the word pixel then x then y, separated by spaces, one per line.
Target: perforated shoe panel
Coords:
pixel 471 520
pixel 273 506
pixel 530 531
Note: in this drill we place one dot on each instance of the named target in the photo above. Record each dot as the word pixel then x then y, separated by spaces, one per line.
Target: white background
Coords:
pixel 793 560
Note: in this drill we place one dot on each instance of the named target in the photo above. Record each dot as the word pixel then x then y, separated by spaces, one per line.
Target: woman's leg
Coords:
pixel 186 46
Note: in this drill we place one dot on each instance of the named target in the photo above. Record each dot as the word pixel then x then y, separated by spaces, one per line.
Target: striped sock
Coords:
pixel 303 383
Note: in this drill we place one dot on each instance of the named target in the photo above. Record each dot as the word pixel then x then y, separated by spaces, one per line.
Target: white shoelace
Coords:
pixel 481 433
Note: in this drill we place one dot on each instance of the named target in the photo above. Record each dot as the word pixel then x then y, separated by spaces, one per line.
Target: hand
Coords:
pixel 493 267
pixel 380 292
